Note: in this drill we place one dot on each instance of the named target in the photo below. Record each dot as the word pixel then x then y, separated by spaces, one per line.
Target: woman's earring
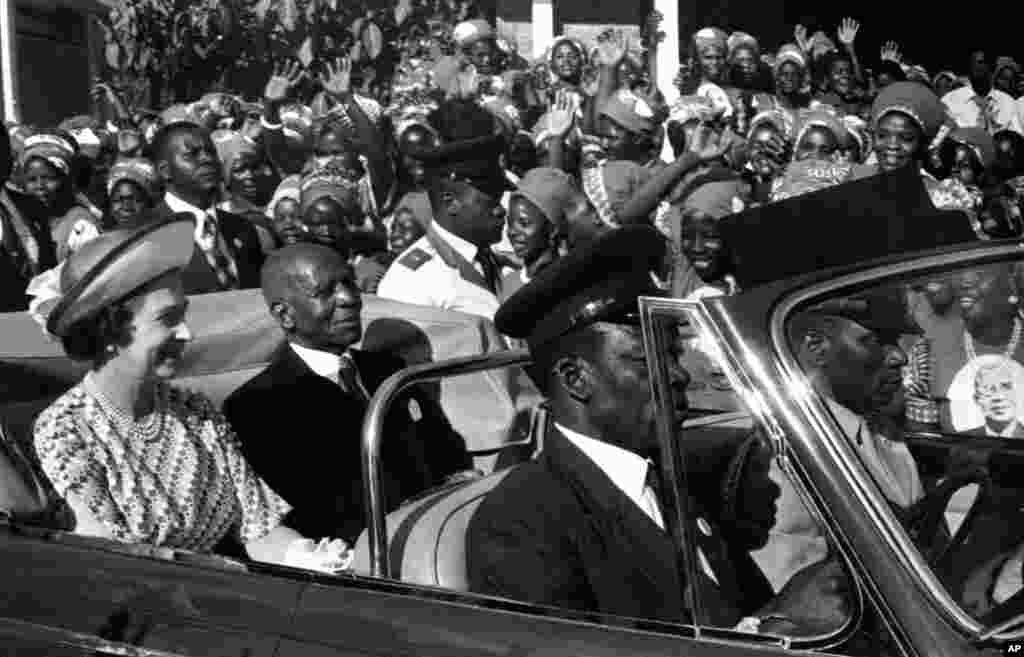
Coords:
pixel 111 349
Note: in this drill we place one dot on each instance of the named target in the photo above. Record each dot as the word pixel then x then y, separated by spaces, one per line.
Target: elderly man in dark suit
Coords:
pixel 228 254
pixel 582 526
pixel 300 419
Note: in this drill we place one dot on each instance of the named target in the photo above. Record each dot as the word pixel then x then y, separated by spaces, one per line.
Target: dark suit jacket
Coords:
pixel 558 532
pixel 301 433
pixel 244 243
pixel 15 270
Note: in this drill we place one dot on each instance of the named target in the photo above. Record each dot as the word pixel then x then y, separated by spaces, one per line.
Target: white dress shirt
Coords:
pixel 177 204
pixel 628 471
pixel 961 106
pixel 434 283
pixel 323 363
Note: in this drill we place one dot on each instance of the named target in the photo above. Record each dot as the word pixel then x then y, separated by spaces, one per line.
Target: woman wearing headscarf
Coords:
pixel 249 182
pixel 132 189
pixel 26 244
pixel 820 135
pixel 907 117
pixel 792 85
pixel 136 459
pixel 695 230
pixel 45 171
pixel 747 72
pixel 769 151
pixel 536 223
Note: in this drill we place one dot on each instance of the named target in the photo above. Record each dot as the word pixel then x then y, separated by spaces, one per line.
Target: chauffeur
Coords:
pixel 581 527
pixel 452 266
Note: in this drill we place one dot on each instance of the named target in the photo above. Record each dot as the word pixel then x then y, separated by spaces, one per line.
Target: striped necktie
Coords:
pixel 348 378
pixel 215 250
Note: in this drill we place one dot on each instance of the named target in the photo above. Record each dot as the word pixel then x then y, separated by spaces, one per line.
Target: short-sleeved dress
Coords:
pixel 186 489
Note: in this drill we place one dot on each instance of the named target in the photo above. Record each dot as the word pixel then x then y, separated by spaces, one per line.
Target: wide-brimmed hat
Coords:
pixel 118 262
pixel 914 100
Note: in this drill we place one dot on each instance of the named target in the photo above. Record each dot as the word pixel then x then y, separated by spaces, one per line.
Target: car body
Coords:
pixel 70 595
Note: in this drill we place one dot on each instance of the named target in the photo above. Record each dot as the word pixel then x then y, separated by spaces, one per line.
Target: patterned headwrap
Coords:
pixel 949 75
pixel 54 149
pixel 138 170
pixel 776 118
pixel 821 118
pixel 789 53
pixel 230 146
pixel 914 100
pixel 711 37
pixel 549 55
pixel 289 188
pixel 325 182
pixel 739 40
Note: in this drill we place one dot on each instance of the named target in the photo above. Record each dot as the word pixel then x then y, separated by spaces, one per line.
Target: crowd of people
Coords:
pixel 475 187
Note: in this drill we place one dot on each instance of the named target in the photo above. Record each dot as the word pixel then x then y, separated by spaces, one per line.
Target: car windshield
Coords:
pixel 925 378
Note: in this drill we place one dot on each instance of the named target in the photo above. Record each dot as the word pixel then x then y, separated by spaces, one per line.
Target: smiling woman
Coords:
pixel 121 304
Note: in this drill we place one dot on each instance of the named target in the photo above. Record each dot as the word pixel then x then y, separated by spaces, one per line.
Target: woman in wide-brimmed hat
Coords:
pixel 138 460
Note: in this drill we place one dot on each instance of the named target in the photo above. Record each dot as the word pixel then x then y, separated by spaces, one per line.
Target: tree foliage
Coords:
pixel 164 51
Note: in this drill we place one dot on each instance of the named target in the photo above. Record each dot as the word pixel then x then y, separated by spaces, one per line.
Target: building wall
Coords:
pixel 52 63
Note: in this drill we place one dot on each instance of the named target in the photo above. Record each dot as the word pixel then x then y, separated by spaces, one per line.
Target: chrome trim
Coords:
pixel 13 629
pixel 761 414
pixel 373 429
pixel 673 470
pixel 869 495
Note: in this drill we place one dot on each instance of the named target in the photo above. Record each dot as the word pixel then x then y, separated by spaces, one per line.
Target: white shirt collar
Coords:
pixel 523 276
pixel 628 471
pixel 323 363
pixel 849 421
pixel 178 204
pixel 1005 433
pixel 465 249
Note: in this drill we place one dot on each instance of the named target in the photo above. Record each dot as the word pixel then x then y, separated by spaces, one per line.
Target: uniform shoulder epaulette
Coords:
pixel 414 259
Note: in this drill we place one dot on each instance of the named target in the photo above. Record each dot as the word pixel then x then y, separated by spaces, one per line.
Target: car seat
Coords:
pixel 427 537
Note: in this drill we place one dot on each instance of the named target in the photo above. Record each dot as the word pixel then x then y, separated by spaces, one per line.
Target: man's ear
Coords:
pixel 450 202
pixel 282 312
pixel 815 348
pixel 163 170
pixel 575 377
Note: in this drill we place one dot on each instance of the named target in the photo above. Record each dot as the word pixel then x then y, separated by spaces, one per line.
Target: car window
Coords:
pixel 924 376
pixel 757 546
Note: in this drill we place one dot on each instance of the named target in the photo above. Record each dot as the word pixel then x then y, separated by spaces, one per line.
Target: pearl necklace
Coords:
pixel 1011 348
pixel 148 430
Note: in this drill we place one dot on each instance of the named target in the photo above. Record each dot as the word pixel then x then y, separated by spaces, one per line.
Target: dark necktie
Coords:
pixel 348 379
pixel 490 268
pixel 218 259
pixel 984 113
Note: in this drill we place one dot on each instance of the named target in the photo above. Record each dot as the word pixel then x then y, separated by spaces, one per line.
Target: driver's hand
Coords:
pixel 817 598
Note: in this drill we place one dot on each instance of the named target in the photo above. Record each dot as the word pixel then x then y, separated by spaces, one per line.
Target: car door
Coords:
pixel 178 603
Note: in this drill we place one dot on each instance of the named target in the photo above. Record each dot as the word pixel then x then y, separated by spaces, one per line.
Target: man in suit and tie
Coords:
pixel 453 266
pixel 998 398
pixel 582 527
pixel 300 420
pixel 228 253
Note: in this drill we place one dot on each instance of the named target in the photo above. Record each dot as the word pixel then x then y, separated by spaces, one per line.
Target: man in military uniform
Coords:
pixel 582 527
pixel 452 266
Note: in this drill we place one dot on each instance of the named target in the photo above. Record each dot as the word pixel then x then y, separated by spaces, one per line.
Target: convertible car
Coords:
pixel 944 581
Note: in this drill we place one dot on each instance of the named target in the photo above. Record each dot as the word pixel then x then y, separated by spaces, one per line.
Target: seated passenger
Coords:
pixel 300 419
pixel 849 352
pixel 138 460
pixel 581 527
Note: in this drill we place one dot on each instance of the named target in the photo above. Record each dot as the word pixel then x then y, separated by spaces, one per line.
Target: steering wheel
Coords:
pixel 924 521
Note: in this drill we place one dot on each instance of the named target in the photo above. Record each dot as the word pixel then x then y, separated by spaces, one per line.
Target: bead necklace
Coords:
pixel 147 430
pixel 1011 348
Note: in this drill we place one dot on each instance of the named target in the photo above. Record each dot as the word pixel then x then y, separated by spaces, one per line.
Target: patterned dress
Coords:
pixel 186 489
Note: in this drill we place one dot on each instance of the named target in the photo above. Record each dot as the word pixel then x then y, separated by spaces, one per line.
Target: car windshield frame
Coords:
pixel 654 313
pixel 816 412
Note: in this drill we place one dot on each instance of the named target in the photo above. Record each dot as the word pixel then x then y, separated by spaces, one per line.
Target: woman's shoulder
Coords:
pixel 63 413
pixel 189 403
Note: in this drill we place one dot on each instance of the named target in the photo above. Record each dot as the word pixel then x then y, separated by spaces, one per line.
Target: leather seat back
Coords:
pixel 427 537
